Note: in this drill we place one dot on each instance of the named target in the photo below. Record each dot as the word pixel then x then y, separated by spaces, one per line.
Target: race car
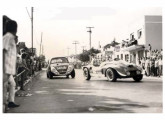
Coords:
pixel 113 70
pixel 60 66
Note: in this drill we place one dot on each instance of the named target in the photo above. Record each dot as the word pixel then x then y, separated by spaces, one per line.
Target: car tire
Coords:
pixel 67 76
pixel 111 75
pixel 86 74
pixel 138 78
pixel 50 75
pixel 73 74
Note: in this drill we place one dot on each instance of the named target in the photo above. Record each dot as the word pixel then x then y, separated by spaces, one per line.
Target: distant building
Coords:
pixel 147 30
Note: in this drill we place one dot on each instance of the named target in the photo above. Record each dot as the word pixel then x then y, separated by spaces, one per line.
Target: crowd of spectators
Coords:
pixel 152 64
pixel 127 43
pixel 18 64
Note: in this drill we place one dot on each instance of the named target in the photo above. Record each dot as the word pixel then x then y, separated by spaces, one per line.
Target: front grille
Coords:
pixel 130 66
pixel 62 69
pixel 133 73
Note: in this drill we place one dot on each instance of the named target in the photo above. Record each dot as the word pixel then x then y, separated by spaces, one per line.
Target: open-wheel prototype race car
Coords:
pixel 113 70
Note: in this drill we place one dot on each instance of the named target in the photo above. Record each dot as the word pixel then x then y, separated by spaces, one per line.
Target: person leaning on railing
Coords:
pixel 20 73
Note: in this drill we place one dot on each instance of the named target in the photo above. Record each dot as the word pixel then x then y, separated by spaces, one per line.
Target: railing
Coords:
pixel 20 78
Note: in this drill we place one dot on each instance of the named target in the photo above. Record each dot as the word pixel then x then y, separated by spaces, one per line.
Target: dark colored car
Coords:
pixel 60 66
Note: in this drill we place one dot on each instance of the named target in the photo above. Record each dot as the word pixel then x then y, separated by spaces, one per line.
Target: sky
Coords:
pixel 62 25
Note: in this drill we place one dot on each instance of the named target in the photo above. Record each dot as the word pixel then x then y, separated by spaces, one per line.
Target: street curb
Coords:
pixel 157 78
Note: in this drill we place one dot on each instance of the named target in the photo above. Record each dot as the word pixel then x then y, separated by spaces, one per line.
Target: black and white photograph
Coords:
pixel 82 57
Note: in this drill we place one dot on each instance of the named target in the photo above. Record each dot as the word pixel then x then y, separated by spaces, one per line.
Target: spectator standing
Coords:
pixel 147 66
pixel 9 63
pixel 149 49
pixel 20 68
pixel 143 63
pixel 160 66
pixel 139 62
pixel 156 67
pixel 152 65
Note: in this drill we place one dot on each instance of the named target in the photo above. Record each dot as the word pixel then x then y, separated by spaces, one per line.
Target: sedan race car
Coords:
pixel 60 66
pixel 113 69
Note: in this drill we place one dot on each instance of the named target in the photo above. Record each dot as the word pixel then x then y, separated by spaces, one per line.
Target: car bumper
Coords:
pixel 61 74
pixel 130 76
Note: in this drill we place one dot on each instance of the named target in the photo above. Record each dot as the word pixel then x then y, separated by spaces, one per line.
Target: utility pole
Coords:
pixel 68 50
pixel 90 32
pixel 75 42
pixel 32 27
pixel 40 44
pixel 32 35
pixel 42 50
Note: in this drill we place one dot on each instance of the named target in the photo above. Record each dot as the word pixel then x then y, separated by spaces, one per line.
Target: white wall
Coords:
pixel 153 31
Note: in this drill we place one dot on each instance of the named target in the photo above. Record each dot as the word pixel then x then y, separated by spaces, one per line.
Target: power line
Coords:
pixel 28 13
pixel 75 42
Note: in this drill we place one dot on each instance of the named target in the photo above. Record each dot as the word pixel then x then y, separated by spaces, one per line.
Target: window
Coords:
pixel 59 60
pixel 139 33
pixel 126 57
pixel 121 56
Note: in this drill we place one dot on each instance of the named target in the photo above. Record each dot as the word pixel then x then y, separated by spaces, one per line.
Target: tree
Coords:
pixel 85 56
pixel 42 58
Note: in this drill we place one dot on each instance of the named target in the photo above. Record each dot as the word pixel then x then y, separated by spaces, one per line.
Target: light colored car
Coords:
pixel 113 69
pixel 60 66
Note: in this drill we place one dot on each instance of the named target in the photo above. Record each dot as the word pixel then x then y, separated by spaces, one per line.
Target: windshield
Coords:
pixel 59 60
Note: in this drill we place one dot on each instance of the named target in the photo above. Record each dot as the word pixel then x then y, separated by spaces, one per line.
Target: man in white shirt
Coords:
pixel 9 63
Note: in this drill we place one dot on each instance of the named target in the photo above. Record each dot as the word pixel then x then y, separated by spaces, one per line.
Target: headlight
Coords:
pixel 128 73
pixel 70 68
pixel 138 72
pixel 125 69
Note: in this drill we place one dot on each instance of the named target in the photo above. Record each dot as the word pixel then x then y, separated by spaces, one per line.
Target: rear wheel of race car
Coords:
pixel 86 74
pixel 111 75
pixel 138 78
pixel 73 74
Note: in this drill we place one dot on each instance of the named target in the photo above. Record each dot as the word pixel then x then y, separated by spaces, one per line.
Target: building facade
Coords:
pixel 145 31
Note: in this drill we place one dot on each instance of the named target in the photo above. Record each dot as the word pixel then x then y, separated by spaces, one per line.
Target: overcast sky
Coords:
pixel 61 24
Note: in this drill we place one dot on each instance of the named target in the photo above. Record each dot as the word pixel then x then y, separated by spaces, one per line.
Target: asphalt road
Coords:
pixel 63 95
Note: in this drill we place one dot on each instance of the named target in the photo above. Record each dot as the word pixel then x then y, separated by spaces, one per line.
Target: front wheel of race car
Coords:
pixel 138 78
pixel 86 74
pixel 111 75
pixel 73 74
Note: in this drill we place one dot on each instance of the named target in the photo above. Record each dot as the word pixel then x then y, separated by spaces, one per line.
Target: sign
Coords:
pixel 108 52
